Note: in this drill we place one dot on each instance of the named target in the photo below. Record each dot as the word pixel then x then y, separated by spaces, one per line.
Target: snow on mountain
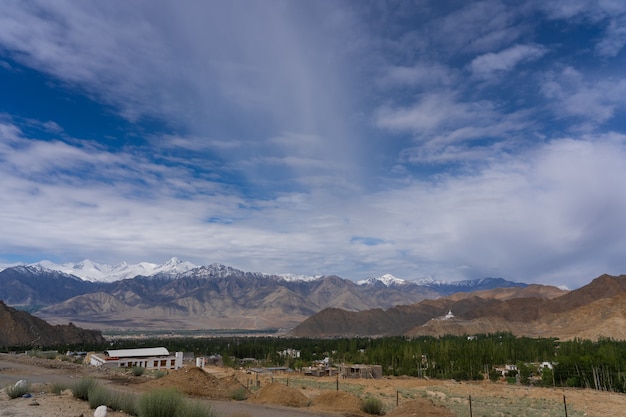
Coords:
pixel 98 272
pixel 388 280
pixel 293 277
pixel 5 266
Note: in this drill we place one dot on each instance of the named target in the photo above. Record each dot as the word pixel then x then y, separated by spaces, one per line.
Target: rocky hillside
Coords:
pixel 593 311
pixel 18 328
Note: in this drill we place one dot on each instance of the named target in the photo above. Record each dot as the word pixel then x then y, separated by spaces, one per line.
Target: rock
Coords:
pixel 21 384
pixel 101 411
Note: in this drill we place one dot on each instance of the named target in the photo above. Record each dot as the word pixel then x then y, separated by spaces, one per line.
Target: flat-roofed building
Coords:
pixel 149 358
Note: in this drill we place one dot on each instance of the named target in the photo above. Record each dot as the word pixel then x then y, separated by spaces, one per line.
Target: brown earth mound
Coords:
pixel 275 393
pixel 337 401
pixel 421 407
pixel 194 381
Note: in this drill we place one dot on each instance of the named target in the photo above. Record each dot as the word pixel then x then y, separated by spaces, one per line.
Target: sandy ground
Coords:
pixel 297 396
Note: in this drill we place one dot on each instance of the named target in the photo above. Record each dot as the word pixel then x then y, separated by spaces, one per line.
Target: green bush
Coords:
pixel 80 389
pixel 115 400
pixel 138 370
pixel 372 405
pixel 98 395
pixel 159 373
pixel 57 388
pixel 194 409
pixel 123 401
pixel 239 394
pixel 160 403
pixel 18 389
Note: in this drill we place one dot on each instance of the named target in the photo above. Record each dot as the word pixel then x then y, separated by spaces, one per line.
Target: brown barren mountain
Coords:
pixel 532 291
pixel 18 328
pixel 593 311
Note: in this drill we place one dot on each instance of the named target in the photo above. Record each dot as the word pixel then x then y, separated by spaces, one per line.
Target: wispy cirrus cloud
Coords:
pixel 485 65
pixel 593 101
pixel 613 36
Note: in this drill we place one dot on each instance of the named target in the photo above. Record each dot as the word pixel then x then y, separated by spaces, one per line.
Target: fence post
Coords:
pixel 470 401
pixel 565 405
pixel 397 398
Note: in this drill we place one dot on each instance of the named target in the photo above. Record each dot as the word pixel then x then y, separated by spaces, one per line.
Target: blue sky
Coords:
pixel 453 139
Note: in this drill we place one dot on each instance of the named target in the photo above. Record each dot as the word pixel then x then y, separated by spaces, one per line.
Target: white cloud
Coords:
pixel 420 75
pixel 593 101
pixel 505 60
pixel 531 217
pixel 479 27
pixel 432 111
pixel 615 37
pixel 597 12
pixel 438 120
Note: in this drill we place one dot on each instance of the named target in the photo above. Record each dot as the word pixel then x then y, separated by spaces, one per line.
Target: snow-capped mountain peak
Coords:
pixel 387 279
pixel 98 272
pixel 295 277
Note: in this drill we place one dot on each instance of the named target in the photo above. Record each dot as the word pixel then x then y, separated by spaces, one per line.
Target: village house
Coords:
pixel 361 371
pixel 290 353
pixel 320 370
pixel 506 370
pixel 211 360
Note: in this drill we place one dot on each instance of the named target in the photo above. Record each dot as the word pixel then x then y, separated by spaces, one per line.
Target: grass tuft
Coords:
pixel 373 406
pixel 160 403
pixel 98 395
pixel 17 390
pixel 80 389
pixel 239 394
pixel 195 409
pixel 58 388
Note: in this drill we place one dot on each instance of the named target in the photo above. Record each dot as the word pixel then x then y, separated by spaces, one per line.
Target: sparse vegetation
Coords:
pixel 194 409
pixel 372 405
pixel 239 394
pixel 80 389
pixel 98 395
pixel 50 354
pixel 123 401
pixel 138 370
pixel 58 388
pixel 17 390
pixel 160 403
pixel 159 373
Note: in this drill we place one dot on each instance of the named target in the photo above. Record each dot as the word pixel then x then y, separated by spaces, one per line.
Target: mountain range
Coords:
pixel 593 311
pixel 180 295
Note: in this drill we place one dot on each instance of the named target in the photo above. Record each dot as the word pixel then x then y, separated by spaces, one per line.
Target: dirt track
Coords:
pixel 310 396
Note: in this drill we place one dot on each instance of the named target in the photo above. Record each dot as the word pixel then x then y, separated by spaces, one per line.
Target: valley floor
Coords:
pixel 402 397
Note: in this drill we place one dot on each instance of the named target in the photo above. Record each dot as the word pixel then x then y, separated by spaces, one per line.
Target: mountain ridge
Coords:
pixel 19 328
pixel 207 296
pixel 532 311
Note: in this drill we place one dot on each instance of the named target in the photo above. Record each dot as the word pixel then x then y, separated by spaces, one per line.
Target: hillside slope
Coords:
pixel 18 328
